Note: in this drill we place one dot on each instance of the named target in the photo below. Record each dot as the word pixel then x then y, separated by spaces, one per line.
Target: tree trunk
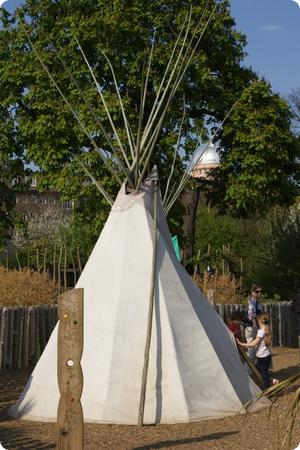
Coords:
pixel 28 257
pixel 74 269
pixel 18 261
pixel 58 266
pixel 196 266
pixel 241 277
pixel 79 261
pixel 37 260
pixel 191 200
pixel 45 262
pixel 54 263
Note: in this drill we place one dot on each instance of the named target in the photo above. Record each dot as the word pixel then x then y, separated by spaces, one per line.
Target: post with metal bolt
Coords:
pixel 70 378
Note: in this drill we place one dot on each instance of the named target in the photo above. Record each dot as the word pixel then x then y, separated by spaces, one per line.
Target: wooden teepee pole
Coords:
pixel 150 312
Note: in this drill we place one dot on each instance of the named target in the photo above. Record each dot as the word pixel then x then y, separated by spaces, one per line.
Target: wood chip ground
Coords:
pixel 259 432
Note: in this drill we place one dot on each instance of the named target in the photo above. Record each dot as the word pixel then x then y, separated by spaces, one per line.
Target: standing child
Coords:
pixel 254 306
pixel 253 309
pixel 262 343
pixel 235 324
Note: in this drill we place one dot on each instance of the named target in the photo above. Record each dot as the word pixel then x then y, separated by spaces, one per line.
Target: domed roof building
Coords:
pixel 210 159
pixel 206 161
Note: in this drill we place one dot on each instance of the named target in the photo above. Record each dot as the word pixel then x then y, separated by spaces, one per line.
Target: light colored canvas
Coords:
pixel 194 368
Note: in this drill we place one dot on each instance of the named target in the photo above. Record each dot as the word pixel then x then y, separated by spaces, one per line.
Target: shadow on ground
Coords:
pixel 11 435
pixel 13 438
pixel 193 440
pixel 286 372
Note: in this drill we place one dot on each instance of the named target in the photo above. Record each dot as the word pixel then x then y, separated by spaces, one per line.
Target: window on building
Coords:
pixel 43 200
pixel 33 182
pixel 68 204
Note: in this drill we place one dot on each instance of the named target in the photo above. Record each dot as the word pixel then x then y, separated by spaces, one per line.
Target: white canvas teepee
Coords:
pixel 194 368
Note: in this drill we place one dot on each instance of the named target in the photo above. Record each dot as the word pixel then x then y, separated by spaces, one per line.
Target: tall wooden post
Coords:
pixel 150 311
pixel 70 378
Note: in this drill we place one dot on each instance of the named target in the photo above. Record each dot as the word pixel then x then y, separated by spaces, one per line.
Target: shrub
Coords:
pixel 25 288
pixel 226 288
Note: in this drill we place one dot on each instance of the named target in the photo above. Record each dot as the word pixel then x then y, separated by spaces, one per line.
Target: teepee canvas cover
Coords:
pixel 194 368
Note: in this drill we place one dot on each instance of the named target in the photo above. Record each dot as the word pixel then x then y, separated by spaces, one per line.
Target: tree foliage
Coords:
pixel 226 244
pixel 11 176
pixel 278 266
pixel 124 31
pixel 294 101
pixel 267 249
pixel 259 150
pixel 258 168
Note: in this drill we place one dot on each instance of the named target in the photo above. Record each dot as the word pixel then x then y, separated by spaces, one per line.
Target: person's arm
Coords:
pixel 250 344
pixel 251 309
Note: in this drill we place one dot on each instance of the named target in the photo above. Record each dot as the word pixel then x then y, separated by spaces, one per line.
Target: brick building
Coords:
pixel 32 202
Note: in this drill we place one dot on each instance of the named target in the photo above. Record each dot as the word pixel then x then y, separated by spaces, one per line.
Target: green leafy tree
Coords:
pixel 259 167
pixel 277 264
pixel 12 170
pixel 294 101
pixel 125 32
pixel 259 149
pixel 11 182
pixel 222 241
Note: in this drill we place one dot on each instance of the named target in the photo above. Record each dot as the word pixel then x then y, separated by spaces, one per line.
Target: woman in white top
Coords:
pixel 262 343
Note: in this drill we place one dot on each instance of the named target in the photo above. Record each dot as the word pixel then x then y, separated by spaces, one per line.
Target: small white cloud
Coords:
pixel 270 28
pixel 298 3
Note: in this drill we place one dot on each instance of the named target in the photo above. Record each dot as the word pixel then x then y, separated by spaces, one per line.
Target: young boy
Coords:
pixel 235 324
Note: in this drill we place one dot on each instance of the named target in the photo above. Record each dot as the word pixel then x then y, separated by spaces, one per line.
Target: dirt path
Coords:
pixel 221 434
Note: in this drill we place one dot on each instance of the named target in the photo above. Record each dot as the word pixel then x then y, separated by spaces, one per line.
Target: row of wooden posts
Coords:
pixel 64 266
pixel 25 331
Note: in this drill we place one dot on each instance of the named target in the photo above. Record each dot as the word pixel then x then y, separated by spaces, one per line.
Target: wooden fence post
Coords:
pixel 25 337
pixel 280 325
pixel 20 338
pixel 31 335
pixel 222 311
pixel 210 295
pixel 10 338
pixel 70 378
pixel 17 315
pixel 3 327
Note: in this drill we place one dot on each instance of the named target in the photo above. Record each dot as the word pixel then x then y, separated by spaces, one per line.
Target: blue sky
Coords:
pixel 272 28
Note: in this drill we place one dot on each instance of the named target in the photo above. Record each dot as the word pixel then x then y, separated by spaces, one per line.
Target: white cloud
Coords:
pixel 270 28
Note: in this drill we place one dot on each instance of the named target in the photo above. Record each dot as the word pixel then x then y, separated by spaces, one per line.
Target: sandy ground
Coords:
pixel 258 432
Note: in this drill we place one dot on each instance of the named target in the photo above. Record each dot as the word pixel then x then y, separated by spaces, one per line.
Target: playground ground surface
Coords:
pixel 218 434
